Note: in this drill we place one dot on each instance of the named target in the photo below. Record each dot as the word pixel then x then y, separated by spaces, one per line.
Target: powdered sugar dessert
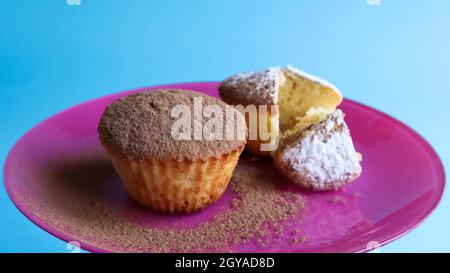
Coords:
pixel 294 92
pixel 258 89
pixel 321 157
pixel 311 144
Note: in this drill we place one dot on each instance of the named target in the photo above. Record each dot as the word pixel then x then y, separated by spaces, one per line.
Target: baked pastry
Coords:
pixel 163 168
pixel 292 91
pixel 309 139
pixel 321 155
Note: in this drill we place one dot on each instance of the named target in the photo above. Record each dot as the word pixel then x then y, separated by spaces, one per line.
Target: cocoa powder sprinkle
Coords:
pixel 139 126
pixel 258 212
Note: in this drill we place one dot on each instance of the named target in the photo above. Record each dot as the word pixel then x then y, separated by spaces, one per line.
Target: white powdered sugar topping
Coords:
pixel 254 87
pixel 324 156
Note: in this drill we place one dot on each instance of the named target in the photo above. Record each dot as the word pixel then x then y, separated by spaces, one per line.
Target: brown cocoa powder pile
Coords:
pixel 258 212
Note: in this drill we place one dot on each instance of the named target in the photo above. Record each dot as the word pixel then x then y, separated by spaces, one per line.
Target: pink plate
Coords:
pixel 402 183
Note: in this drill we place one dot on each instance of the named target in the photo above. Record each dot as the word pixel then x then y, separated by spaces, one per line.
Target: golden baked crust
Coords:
pixel 175 186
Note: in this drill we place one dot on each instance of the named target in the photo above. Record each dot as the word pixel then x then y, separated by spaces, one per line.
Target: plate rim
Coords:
pixel 437 162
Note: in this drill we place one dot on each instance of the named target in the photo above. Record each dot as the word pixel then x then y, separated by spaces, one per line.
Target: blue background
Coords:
pixel 394 57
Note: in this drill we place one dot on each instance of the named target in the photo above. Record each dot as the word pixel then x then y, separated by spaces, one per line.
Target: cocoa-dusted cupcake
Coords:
pixel 163 166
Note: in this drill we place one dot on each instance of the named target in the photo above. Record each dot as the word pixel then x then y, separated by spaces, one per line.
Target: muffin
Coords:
pixel 165 158
pixel 320 155
pixel 292 93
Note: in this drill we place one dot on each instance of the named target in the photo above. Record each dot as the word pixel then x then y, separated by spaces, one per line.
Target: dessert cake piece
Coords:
pixel 319 153
pixel 158 170
pixel 291 91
